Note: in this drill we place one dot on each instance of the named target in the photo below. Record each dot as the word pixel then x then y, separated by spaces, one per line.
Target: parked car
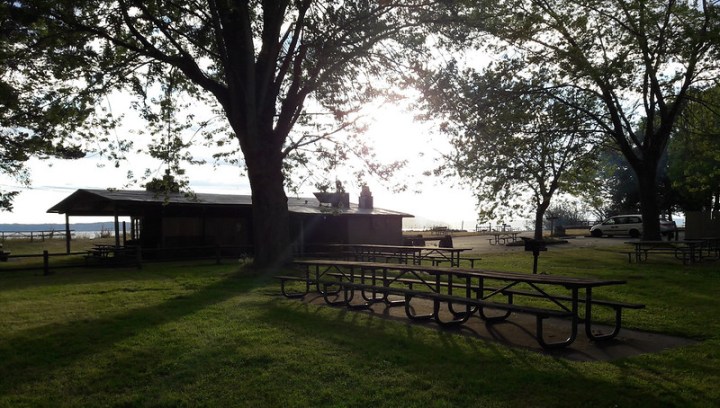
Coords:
pixel 628 225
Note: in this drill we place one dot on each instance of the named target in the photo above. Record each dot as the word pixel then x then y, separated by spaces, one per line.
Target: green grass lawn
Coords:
pixel 199 334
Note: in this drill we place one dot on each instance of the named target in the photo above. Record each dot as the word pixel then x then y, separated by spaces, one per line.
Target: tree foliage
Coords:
pixel 257 64
pixel 637 60
pixel 694 153
pixel 31 122
pixel 516 147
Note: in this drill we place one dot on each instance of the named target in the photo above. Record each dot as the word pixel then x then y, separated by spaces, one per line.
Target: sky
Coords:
pixel 394 134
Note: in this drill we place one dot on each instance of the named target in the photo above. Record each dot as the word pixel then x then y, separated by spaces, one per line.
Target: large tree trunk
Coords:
pixel 646 172
pixel 271 233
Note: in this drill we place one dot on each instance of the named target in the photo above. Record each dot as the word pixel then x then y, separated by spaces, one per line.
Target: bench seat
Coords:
pixel 285 278
pixel 348 288
pixel 616 306
pixel 684 254
pixel 344 255
pixel 471 259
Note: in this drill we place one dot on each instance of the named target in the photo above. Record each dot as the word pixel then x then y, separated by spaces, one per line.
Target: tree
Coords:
pixel 513 145
pixel 566 213
pixel 694 153
pixel 258 63
pixel 616 190
pixel 637 59
pixel 26 128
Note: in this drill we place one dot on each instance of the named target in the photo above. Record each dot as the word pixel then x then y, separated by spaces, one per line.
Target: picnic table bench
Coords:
pixel 462 292
pixel 688 251
pixel 110 254
pixel 4 255
pixel 404 253
pixel 503 238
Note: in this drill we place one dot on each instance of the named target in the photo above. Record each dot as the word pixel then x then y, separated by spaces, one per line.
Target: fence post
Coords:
pixel 217 254
pixel 46 263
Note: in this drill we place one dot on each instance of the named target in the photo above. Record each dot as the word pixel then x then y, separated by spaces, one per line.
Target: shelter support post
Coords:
pixel 67 233
pixel 117 229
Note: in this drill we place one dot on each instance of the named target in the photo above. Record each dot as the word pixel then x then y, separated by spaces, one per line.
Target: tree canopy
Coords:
pixel 31 122
pixel 637 61
pixel 694 153
pixel 514 146
pixel 259 64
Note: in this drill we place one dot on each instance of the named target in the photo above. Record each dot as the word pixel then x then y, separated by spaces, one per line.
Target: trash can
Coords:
pixel 446 242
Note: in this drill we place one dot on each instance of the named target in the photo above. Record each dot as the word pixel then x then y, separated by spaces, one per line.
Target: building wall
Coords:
pixel 179 227
pixel 386 230
pixel 227 231
pixel 316 229
pixel 309 231
pixel 170 227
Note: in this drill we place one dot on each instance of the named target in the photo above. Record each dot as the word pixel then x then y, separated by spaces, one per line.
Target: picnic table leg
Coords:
pixel 469 310
pixel 573 328
pixel 410 311
pixel 347 296
pixel 385 299
pixel 317 281
pixel 588 320
pixel 481 311
pixel 458 317
pixel 373 298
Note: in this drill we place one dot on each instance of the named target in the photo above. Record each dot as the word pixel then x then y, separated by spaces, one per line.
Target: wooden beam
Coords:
pixel 117 229
pixel 67 233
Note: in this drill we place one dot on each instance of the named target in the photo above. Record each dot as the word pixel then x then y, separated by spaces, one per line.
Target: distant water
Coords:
pixel 93 234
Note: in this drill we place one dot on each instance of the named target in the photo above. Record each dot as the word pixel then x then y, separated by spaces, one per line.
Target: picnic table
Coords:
pixel 403 253
pixel 503 237
pixel 710 247
pixel 107 253
pixel 688 251
pixel 463 293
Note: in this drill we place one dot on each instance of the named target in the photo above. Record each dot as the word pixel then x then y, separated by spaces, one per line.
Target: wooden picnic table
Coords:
pixel 503 237
pixel 688 251
pixel 476 291
pixel 711 247
pixel 403 253
pixel 111 254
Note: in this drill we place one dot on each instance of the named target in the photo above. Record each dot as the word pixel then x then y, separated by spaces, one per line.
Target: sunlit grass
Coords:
pixel 199 334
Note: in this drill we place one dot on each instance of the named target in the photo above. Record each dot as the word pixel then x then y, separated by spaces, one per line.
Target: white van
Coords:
pixel 628 225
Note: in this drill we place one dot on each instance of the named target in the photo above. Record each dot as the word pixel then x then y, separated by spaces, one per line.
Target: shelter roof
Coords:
pixel 107 202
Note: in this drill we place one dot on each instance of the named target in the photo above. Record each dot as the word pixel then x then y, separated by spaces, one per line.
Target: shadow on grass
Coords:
pixel 490 371
pixel 37 352
pixel 18 280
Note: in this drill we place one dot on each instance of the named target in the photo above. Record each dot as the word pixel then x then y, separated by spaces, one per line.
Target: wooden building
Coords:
pixel 161 222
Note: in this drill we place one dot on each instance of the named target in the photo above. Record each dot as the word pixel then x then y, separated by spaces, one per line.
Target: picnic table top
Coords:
pixel 669 243
pixel 567 281
pixel 398 247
